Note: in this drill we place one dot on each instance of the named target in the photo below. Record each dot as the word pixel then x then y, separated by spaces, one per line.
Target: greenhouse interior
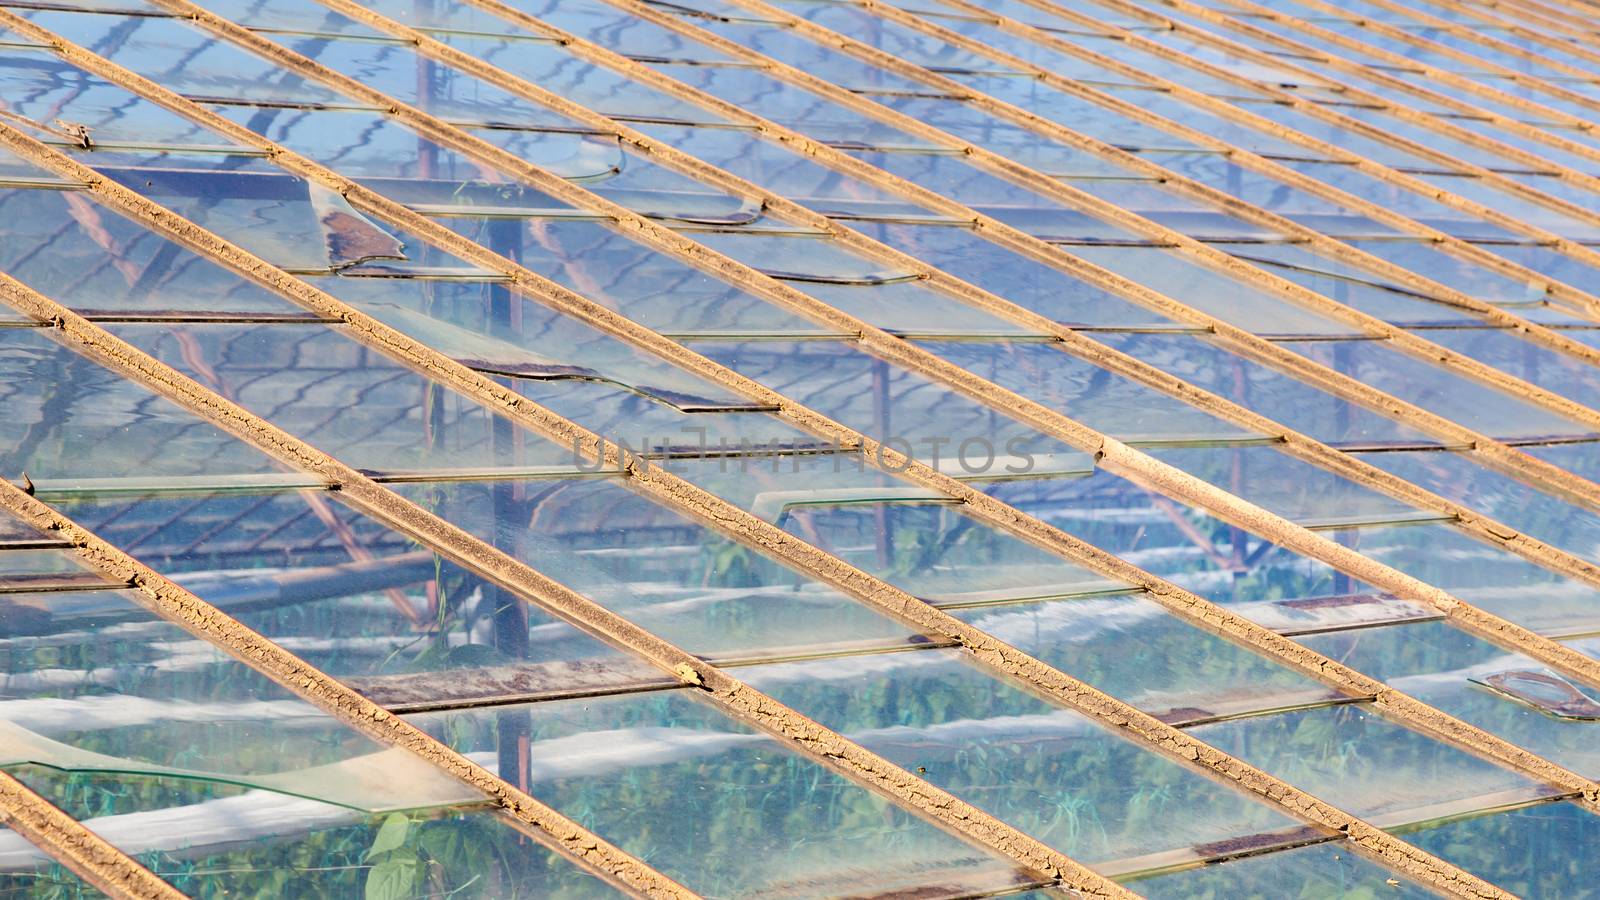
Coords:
pixel 799 449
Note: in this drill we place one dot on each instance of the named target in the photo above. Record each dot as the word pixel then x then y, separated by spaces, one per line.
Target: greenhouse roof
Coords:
pixel 799 448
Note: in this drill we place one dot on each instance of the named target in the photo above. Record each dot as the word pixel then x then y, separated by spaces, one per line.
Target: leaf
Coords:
pixel 391 879
pixel 390 835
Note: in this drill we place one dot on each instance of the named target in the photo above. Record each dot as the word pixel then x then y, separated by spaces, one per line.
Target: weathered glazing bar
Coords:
pixel 1334 248
pixel 88 855
pixel 1389 31
pixel 1433 73
pixel 978 641
pixel 983 503
pixel 1296 444
pixel 738 699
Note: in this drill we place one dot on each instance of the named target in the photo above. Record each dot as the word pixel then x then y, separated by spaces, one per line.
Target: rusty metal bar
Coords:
pixel 731 520
pixel 1296 444
pixel 1432 73
pixel 67 841
pixel 1510 25
pixel 1112 454
pixel 742 702
pixel 1071 197
pixel 177 605
pixel 1254 162
pixel 1385 29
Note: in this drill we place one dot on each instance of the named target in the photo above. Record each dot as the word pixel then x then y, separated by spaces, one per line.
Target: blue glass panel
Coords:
pixel 1048 770
pixel 672 759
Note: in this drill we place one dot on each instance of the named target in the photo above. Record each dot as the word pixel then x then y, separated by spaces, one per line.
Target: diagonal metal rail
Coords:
pixel 1390 80
pixel 381 503
pixel 1296 444
pixel 1042 678
pixel 1324 244
pixel 987 509
pixel 737 699
pixel 88 855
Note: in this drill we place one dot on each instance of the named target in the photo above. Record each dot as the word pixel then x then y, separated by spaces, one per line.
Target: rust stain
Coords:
pixel 349 237
pixel 1271 840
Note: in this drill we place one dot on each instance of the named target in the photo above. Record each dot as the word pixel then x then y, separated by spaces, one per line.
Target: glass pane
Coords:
pixel 1453 396
pixel 1483 575
pixel 1210 291
pixel 675 770
pixel 1033 285
pixel 1351 286
pixel 1456 476
pixel 1578 458
pixel 1333 869
pixel 1554 265
pixel 817 118
pixel 354 598
pixel 201 67
pixel 780 170
pixel 1079 114
pixel 94 260
pixel 1531 852
pixel 69 418
pixel 657 290
pixel 1424 259
pixel 610 269
pixel 1366 765
pixel 1455 672
pixel 1305 493
pixel 490 329
pixel 1045 373
pixel 691 585
pixel 921 416
pixel 1206 363
pixel 340 396
pixel 394 71
pixel 60 104
pixel 1571 378
pixel 122 691
pixel 1258 579
pixel 211 842
pixel 1134 650
pixel 1047 770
